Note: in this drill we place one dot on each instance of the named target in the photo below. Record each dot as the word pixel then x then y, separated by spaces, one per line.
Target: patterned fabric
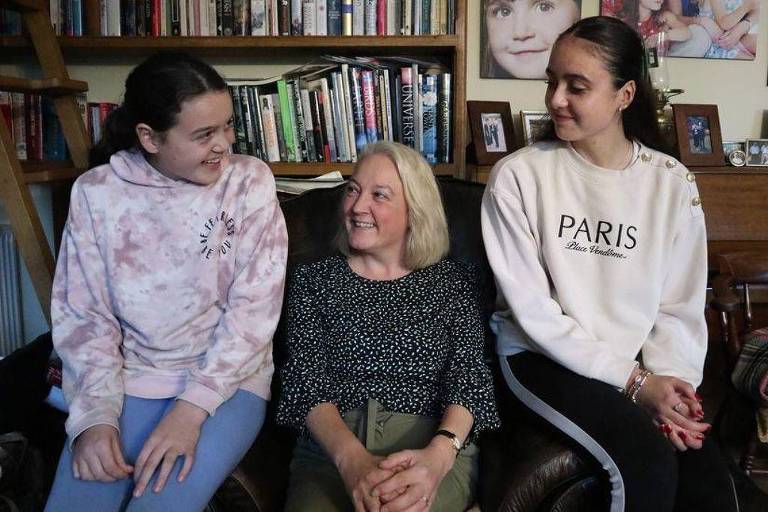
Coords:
pixel 415 344
pixel 165 288
pixel 750 376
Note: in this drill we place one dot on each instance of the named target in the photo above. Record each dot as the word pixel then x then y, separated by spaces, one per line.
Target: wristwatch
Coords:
pixel 454 440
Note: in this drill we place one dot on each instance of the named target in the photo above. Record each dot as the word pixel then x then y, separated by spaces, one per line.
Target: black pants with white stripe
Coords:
pixel 645 471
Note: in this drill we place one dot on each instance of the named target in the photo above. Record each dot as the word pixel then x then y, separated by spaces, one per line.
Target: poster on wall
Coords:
pixel 690 28
pixel 516 36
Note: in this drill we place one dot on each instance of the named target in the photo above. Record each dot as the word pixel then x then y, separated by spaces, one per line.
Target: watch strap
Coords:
pixel 453 438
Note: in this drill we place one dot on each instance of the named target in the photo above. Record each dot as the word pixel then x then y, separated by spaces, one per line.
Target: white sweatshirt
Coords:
pixel 594 265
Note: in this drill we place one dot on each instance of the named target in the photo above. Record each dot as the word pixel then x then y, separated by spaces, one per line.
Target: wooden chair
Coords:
pixel 741 298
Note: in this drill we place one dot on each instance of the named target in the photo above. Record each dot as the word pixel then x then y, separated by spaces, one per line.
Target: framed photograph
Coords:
pixel 653 20
pixel 734 151
pixel 535 124
pixel 757 152
pixel 698 135
pixel 516 38
pixel 491 125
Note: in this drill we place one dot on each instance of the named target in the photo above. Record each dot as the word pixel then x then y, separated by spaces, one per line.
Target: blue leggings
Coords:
pixel 224 439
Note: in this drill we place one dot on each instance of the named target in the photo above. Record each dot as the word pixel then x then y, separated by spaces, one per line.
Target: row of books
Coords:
pixel 331 114
pixel 35 128
pixel 249 17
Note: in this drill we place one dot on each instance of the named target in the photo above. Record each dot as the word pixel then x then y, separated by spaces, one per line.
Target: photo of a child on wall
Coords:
pixel 516 36
pixel 710 29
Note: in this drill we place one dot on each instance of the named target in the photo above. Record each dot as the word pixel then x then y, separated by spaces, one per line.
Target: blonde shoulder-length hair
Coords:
pixel 427 237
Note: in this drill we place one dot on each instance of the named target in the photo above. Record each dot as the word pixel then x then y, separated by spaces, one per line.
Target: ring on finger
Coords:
pixel 677 407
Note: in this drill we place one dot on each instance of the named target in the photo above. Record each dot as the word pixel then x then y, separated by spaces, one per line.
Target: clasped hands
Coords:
pixel 676 409
pixel 404 481
pixel 97 454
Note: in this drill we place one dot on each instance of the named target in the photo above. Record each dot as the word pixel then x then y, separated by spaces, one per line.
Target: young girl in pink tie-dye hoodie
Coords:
pixel 168 290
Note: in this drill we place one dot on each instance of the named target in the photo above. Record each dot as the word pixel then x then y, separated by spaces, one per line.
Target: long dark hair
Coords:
pixel 623 54
pixel 154 93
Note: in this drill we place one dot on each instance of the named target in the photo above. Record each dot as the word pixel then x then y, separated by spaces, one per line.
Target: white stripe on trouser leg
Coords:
pixel 572 430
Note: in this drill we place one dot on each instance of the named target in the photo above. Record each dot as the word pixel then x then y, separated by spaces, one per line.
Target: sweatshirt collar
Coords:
pixel 588 170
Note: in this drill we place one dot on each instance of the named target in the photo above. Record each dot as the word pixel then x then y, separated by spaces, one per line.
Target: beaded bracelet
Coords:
pixel 634 389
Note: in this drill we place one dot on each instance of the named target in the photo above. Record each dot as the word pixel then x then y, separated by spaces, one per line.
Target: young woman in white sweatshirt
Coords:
pixel 598 245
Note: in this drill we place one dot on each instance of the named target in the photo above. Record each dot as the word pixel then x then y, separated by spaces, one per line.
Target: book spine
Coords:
pixel 429 118
pixel 258 126
pixel 327 111
pixel 241 141
pixel 308 15
pixel 369 107
pixel 381 17
pixel 444 118
pixel 358 17
pixel 285 116
pixel 281 144
pixel 369 17
pixel 339 118
pixel 321 20
pixel 388 106
pixel 270 129
pixel 346 17
pixel 7 111
pixel 311 128
pixel 346 96
pixel 320 127
pixel 408 137
pixel 258 18
pixel 297 23
pixel 227 17
pixel 334 17
pixel 248 122
pixel 284 17
pixel 297 117
pixel 381 107
pixel 175 14
pixel 392 17
pixel 406 17
pixel 358 113
pixel 397 107
pixel 242 17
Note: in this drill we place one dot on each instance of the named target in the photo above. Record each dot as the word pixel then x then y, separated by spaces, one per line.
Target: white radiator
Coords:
pixel 11 330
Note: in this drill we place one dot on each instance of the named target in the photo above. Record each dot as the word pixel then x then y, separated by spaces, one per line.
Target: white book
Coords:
pixel 270 128
pixel 102 18
pixel 296 17
pixel 55 12
pixel 258 18
pixel 321 23
pixel 212 18
pixel 274 27
pixel 416 19
pixel 308 16
pixel 183 18
pixel 204 22
pixel 392 17
pixel 407 18
pixel 434 17
pixel 358 17
pixel 163 18
pixel 350 124
pixel 299 185
pixel 113 17
pixel 370 17
pixel 341 106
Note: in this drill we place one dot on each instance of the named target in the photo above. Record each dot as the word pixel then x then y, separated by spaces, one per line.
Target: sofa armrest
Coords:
pixel 260 480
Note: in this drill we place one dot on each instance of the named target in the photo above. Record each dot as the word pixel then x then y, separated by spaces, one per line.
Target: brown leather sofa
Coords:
pixel 526 466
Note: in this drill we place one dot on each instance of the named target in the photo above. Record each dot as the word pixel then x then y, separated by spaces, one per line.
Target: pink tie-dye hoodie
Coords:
pixel 166 288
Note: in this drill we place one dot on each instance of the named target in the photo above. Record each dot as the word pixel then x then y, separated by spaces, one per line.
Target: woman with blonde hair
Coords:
pixel 385 375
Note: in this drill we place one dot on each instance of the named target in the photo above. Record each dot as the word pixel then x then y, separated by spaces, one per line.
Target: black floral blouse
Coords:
pixel 415 343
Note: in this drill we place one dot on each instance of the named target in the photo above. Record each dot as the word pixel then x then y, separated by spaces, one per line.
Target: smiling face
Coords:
pixel 581 97
pixel 196 147
pixel 521 32
pixel 374 210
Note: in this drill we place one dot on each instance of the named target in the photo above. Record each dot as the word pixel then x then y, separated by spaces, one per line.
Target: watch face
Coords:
pixel 737 158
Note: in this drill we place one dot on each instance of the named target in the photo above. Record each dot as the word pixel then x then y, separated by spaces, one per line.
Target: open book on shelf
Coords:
pixel 299 185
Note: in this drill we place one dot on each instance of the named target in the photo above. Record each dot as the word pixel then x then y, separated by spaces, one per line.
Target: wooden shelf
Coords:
pixel 729 169
pixel 318 168
pixel 49 86
pixel 49 171
pixel 372 45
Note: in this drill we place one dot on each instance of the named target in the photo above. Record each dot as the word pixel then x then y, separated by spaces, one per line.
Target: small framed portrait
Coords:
pixel 536 124
pixel 516 37
pixel 757 152
pixel 734 151
pixel 491 125
pixel 698 135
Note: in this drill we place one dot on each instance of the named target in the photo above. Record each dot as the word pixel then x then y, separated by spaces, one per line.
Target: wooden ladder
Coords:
pixel 15 175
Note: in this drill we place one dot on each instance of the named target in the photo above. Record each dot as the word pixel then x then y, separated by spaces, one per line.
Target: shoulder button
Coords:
pixel 690 177
pixel 645 157
pixel 696 201
pixel 670 164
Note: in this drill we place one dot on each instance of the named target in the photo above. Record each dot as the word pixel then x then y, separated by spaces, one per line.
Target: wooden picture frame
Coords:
pixel 535 124
pixel 699 142
pixel 490 124
pixel 757 152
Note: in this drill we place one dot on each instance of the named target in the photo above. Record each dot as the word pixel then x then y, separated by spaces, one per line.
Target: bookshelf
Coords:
pixel 449 49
